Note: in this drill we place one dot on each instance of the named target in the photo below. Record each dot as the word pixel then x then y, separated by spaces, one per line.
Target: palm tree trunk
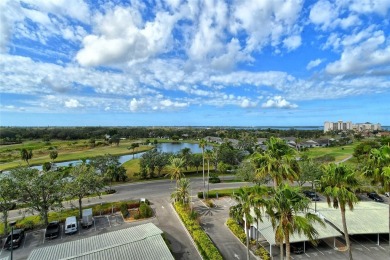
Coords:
pixel 80 209
pixel 281 251
pixel 247 239
pixel 342 208
pixel 204 184
pixel 208 178
pixel 257 233
pixel 5 218
pixel 287 238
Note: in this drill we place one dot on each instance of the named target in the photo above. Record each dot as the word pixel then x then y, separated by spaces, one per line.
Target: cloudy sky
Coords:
pixel 194 62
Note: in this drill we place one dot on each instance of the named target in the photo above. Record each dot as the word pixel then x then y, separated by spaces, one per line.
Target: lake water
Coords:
pixel 162 147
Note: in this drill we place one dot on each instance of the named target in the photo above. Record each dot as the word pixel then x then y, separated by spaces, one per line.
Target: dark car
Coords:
pixel 53 230
pixel 374 196
pixel 312 195
pixel 17 237
pixel 297 248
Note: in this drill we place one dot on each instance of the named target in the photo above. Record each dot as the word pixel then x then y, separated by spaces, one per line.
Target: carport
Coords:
pixel 266 230
pixel 366 218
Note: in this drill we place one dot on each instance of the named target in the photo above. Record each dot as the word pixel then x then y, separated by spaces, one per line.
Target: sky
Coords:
pixel 194 62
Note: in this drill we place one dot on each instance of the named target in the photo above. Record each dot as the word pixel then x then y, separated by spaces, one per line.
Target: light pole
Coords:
pixel 12 224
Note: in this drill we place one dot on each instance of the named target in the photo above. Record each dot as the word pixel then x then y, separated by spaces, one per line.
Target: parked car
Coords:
pixel 53 230
pixel 296 248
pixel 71 225
pixel 87 219
pixel 374 196
pixel 312 195
pixel 17 237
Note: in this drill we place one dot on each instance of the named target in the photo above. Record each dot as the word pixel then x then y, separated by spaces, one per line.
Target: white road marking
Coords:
pixel 236 256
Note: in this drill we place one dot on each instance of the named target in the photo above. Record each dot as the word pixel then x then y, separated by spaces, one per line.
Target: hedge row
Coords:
pixel 213 193
pixel 237 230
pixel 203 242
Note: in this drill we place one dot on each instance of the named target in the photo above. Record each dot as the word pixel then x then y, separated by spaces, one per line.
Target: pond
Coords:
pixel 162 147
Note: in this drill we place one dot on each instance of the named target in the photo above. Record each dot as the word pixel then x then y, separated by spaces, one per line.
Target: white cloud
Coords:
pixel 247 103
pixel 314 63
pixel 168 103
pixel 278 102
pixel 72 103
pixel 362 51
pixel 323 13
pixel 292 42
pixel 370 6
pixel 136 104
pixel 122 36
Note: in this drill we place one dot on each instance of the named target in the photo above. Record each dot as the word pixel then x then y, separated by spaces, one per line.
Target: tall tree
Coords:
pixel 26 155
pixel 82 181
pixel 202 145
pixel 243 196
pixel 182 192
pixel 185 153
pixel 196 161
pixel 377 168
pixel 133 146
pixel 310 171
pixel 288 210
pixel 8 193
pixel 259 202
pixel 277 161
pixel 208 156
pixel 40 191
pixel 338 183
pixel 176 165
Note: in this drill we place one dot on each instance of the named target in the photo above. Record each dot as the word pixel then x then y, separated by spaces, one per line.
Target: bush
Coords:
pixel 145 211
pixel 205 246
pixel 262 253
pixel 237 230
pixel 110 191
pixel 124 210
pixel 214 180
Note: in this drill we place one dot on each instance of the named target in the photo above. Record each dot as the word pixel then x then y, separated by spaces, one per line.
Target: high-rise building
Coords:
pixel 344 126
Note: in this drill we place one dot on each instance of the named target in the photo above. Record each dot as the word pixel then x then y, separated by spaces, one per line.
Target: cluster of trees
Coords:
pixel 286 206
pixel 46 190
pixel 18 134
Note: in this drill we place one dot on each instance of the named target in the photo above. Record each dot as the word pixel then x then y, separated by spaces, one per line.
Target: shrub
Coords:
pixel 110 191
pixel 262 253
pixel 124 210
pixel 205 246
pixel 237 230
pixel 145 211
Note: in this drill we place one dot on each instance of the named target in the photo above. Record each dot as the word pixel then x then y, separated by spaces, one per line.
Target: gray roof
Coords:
pixel 374 215
pixel 139 242
pixel 265 228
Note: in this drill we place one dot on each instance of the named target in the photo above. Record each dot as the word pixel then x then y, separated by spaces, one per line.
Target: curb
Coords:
pixel 188 233
pixel 255 256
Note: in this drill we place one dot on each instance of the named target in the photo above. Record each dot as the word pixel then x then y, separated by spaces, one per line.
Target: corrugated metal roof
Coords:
pixel 139 239
pixel 267 231
pixel 366 218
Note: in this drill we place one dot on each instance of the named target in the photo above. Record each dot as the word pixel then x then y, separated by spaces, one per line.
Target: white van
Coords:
pixel 71 225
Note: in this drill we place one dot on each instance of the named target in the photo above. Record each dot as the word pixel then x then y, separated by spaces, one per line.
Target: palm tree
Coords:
pixel 243 196
pixel 182 192
pixel 288 210
pixel 278 162
pixel 208 156
pixel 337 184
pixel 26 155
pixel 378 169
pixel 176 165
pixel 202 145
pixel 258 203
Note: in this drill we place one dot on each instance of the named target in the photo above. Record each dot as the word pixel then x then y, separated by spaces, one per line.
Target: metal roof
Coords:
pixel 139 242
pixel 265 228
pixel 366 218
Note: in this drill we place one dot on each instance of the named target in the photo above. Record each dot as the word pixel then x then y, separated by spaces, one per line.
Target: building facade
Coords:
pixel 345 126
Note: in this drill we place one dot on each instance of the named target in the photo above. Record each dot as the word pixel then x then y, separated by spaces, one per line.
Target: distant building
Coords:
pixel 345 126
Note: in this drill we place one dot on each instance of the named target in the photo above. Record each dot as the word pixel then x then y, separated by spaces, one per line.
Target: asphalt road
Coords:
pixel 158 192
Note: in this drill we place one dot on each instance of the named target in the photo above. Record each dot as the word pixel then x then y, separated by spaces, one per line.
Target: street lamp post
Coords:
pixel 12 224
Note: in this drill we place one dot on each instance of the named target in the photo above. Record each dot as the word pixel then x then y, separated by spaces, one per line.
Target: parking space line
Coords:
pixel 360 244
pixel 319 250
pixel 108 220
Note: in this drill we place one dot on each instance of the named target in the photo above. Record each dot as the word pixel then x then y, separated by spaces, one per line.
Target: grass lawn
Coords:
pixel 67 151
pixel 338 152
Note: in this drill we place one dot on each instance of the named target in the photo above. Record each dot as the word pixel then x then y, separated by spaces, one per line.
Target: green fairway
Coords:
pixel 340 153
pixel 67 151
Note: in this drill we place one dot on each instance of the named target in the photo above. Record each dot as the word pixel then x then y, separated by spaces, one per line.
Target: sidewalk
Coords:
pixel 213 222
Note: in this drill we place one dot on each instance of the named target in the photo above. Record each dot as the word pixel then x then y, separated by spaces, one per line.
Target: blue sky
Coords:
pixel 194 63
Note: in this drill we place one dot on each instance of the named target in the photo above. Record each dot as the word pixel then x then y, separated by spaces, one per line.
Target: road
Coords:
pixel 158 192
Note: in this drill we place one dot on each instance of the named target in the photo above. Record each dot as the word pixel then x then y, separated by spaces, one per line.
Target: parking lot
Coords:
pixel 36 238
pixel 364 247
